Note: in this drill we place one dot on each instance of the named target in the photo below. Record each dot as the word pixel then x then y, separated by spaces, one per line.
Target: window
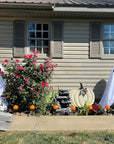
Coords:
pixel 108 39
pixel 101 40
pixel 39 37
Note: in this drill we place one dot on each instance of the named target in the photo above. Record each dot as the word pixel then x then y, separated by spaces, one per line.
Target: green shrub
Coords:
pixel 84 110
pixel 27 83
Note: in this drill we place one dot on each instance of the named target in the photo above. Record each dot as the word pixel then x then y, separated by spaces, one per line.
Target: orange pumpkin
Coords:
pixel 32 107
pixel 55 107
pixel 90 107
pixel 15 107
pixel 73 108
pixel 107 107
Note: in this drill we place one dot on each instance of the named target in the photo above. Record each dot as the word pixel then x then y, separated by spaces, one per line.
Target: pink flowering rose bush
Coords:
pixel 27 83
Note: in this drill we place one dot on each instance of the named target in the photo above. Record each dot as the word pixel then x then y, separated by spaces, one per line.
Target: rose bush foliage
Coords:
pixel 27 83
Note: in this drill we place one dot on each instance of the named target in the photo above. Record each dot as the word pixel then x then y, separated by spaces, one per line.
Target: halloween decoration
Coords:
pixel 32 107
pixel 15 107
pixel 81 96
pixel 73 108
pixel 63 103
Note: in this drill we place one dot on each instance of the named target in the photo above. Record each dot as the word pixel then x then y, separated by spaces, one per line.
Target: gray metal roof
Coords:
pixel 64 2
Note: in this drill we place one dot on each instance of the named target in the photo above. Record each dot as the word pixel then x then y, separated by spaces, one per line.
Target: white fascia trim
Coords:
pixel 83 9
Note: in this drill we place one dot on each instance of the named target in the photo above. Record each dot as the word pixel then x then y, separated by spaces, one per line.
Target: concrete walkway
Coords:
pixel 5 120
pixel 62 123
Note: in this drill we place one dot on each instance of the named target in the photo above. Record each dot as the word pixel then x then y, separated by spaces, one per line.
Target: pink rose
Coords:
pixel 21 68
pixel 18 68
pixel 26 79
pixel 47 71
pixel 36 52
pixel 52 69
pixel 15 74
pixel 52 88
pixel 51 66
pixel 40 70
pixel 6 60
pixel 33 51
pixel 42 66
pixel 43 86
pixel 18 76
pixel 48 64
pixel 30 56
pixel 21 86
pixel 34 63
pixel 48 59
pixel 17 60
pixel 2 72
pixel 46 84
pixel 34 68
pixel 34 59
pixel 55 64
pixel 42 83
pixel 2 63
pixel 25 56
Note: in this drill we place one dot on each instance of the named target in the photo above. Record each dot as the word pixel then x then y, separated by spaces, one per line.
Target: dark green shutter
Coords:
pixel 57 40
pixel 95 48
pixel 19 38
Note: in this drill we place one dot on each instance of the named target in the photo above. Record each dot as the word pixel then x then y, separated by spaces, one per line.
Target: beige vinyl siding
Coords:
pixel 76 36
pixel 6 39
pixel 76 67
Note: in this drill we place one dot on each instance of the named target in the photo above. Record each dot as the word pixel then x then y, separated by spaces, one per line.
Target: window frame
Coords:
pixel 105 56
pixel 49 35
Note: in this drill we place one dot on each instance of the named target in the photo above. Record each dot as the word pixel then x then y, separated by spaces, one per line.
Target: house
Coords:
pixel 77 34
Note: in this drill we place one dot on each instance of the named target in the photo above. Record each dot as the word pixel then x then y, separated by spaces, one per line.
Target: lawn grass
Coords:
pixel 57 138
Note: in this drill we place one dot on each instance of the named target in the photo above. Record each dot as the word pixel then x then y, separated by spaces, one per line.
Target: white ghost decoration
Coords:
pixel 3 102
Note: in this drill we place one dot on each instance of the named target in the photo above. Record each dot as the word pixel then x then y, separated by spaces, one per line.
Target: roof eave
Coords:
pixel 26 6
pixel 84 9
